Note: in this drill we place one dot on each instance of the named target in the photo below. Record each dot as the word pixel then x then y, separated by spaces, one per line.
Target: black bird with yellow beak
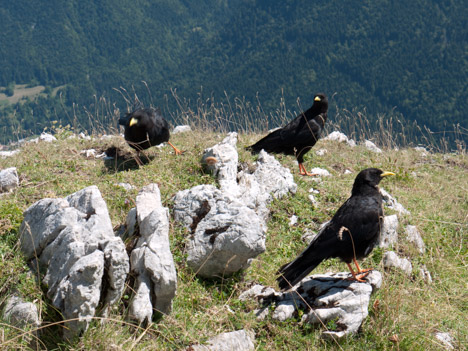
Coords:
pixel 146 127
pixel 298 136
pixel 351 234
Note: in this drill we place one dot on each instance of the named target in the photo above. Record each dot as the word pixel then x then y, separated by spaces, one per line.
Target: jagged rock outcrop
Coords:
pixel 151 260
pixel 322 298
pixel 228 224
pixel 225 233
pixel 73 242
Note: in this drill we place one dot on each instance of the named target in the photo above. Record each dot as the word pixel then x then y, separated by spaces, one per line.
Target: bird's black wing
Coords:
pixel 302 132
pixel 354 225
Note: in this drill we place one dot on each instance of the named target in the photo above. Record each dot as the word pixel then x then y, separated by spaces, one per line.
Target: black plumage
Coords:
pixel 351 234
pixel 299 135
pixel 146 127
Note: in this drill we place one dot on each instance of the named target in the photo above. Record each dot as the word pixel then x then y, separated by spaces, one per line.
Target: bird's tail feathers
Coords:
pixel 292 273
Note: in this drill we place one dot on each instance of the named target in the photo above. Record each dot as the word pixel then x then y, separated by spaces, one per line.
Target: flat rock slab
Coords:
pixel 322 298
pixel 73 242
pixel 239 340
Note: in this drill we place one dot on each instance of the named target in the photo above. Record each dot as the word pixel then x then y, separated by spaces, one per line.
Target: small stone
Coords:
pixel 391 260
pixel 126 186
pixel 371 146
pixel 293 220
pixel 8 179
pixel 446 339
pixel 425 274
pixel 321 152
pixel 320 172
pixel 47 137
pixel 240 340
pixel 181 129
pixel 414 237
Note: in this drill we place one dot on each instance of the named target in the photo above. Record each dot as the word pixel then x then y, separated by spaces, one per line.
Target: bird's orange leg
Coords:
pixel 355 276
pixel 302 171
pixel 361 273
pixel 177 151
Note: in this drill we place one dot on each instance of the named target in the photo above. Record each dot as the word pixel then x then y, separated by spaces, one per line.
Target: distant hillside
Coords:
pixel 384 57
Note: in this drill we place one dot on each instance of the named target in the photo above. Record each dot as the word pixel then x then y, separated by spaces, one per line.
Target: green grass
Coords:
pixel 433 188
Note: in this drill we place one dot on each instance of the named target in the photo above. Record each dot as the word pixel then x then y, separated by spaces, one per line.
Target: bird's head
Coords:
pixel 370 177
pixel 321 100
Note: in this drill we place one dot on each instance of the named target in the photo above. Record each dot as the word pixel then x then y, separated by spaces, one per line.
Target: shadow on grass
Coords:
pixel 123 160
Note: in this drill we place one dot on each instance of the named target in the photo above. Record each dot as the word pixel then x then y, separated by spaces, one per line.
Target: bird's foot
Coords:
pixel 303 172
pixel 176 150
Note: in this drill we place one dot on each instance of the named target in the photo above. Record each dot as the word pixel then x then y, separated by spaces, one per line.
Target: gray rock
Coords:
pixel 21 313
pixel 72 241
pixel 372 147
pixel 392 203
pixel 391 260
pixel 326 297
pixel 181 129
pixel 321 152
pixel 225 167
pixel 413 236
pixel 226 234
pixel 341 138
pixel 240 340
pixel 151 260
pixel 389 232
pixel 293 221
pixel 8 179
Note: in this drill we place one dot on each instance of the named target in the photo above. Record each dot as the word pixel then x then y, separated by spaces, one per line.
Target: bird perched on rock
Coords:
pixel 351 234
pixel 299 135
pixel 146 127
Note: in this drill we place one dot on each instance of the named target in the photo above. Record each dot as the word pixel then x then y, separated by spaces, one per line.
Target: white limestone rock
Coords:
pixel 320 172
pixel 72 241
pixel 372 147
pixel 446 339
pixel 391 260
pixel 389 231
pixel 48 138
pixel 151 260
pixel 181 129
pixel 225 167
pixel 425 274
pixel 413 236
pixel 226 234
pixel 331 297
pixel 5 154
pixel 9 179
pixel 392 203
pixel 240 340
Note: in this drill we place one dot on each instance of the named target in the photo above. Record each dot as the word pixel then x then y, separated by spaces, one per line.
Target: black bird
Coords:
pixel 299 135
pixel 351 234
pixel 146 127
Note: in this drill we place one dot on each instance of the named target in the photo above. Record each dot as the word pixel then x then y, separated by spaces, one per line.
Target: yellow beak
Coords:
pixel 133 121
pixel 385 174
pixel 317 98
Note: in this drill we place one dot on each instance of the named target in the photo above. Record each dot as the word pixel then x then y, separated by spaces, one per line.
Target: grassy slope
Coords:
pixel 433 188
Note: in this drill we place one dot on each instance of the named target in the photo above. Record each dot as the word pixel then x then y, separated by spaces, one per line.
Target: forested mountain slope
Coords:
pixel 387 57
